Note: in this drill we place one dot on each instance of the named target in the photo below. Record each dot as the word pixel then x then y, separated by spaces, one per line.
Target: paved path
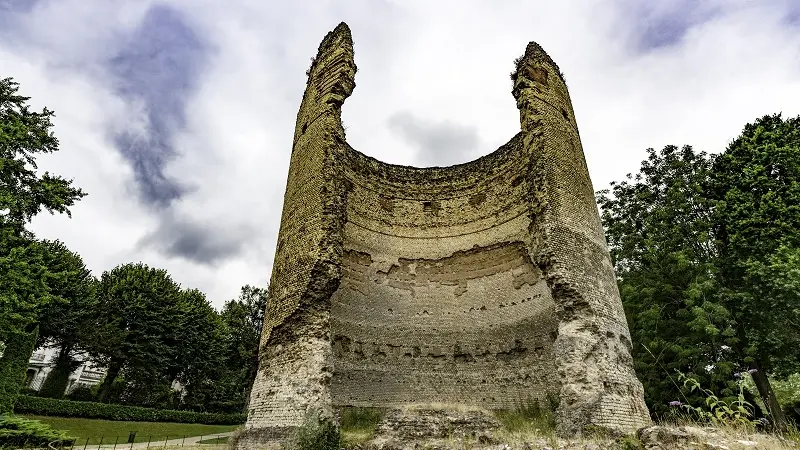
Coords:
pixel 188 441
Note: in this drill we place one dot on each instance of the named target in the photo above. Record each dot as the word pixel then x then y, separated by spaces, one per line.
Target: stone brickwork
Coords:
pixel 481 284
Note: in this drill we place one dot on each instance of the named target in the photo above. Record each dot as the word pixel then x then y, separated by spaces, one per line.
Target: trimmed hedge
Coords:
pixel 91 410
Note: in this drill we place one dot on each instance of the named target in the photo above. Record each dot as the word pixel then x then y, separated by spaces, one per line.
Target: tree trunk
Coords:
pixel 114 368
pixel 768 396
pixel 14 365
pixel 55 385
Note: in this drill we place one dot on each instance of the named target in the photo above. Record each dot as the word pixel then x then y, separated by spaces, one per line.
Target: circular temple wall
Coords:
pixel 487 283
pixel 439 301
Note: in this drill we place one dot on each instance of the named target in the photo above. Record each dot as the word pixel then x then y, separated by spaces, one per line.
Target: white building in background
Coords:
pixel 42 362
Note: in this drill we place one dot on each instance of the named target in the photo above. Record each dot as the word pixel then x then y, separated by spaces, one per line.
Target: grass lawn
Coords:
pixel 109 430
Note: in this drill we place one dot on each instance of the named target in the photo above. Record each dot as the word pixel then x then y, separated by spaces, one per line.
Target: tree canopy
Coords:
pixel 24 135
pixel 706 251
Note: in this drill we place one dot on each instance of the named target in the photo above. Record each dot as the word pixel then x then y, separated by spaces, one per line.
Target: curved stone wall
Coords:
pixel 439 298
pixel 483 284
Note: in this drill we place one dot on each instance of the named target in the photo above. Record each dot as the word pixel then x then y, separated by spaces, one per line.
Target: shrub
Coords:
pixel 360 418
pixel 82 393
pixel 738 413
pixel 315 434
pixel 530 414
pixel 358 425
pixel 91 410
pixel 19 432
pixel 13 364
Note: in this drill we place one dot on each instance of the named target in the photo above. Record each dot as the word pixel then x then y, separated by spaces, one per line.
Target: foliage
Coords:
pixel 628 442
pixel 361 418
pixel 228 368
pixel 788 390
pixel 358 424
pixel 92 410
pixel 24 135
pixel 82 393
pixel 19 432
pixel 707 251
pixel 57 380
pixel 149 387
pixel 243 319
pixel 738 413
pixel 200 361
pixel 24 289
pixel 13 366
pixel 315 434
pixel 756 184
pixel 68 321
pixel 530 415
pixel 91 431
pixel 139 307
pixel 659 230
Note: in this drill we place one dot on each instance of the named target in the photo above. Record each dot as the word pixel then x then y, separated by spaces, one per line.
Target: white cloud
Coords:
pixel 443 62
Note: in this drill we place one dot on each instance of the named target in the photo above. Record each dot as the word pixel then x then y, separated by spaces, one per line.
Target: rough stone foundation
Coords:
pixel 484 284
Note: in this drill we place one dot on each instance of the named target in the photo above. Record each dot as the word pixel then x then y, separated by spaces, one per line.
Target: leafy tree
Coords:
pixel 13 366
pixel 24 135
pixel 67 322
pixel 139 307
pixel 24 289
pixel 707 251
pixel 756 182
pixel 244 319
pixel 200 359
pixel 659 229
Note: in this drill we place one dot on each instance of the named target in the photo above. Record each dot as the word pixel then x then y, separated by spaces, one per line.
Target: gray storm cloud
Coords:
pixel 438 144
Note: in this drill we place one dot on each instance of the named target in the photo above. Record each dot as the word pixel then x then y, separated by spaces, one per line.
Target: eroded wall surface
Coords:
pixel 439 299
pixel 482 284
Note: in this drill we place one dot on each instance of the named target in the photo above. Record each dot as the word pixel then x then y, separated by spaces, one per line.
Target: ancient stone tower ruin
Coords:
pixel 483 283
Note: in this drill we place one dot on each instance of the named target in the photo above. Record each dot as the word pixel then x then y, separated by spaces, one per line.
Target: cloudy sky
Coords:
pixel 177 116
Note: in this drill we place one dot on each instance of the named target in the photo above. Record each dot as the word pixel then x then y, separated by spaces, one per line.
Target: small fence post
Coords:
pixel 148 441
pixel 101 442
pixel 184 440
pixel 86 444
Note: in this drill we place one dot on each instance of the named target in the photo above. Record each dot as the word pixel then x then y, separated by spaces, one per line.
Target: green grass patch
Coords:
pixel 529 416
pixel 110 430
pixel 358 424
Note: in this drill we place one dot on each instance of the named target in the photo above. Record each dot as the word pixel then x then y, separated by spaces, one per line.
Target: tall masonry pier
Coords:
pixel 479 284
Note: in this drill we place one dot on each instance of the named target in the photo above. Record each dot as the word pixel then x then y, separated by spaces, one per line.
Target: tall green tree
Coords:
pixel 756 183
pixel 244 320
pixel 706 249
pixel 659 228
pixel 139 309
pixel 68 320
pixel 24 135
pixel 200 351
